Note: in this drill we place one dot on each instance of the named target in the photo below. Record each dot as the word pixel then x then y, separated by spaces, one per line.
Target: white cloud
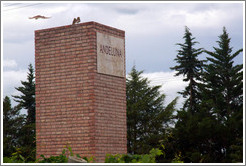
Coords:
pixel 170 85
pixel 12 79
pixel 159 19
pixel 9 63
pixel 135 18
pixel 22 53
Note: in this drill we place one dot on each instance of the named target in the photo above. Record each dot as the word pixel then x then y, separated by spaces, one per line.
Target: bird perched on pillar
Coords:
pixel 76 20
pixel 38 17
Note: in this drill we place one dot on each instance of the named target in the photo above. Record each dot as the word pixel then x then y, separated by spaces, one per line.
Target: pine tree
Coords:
pixel 194 124
pixel 224 93
pixel 26 101
pixel 12 123
pixel 224 80
pixel 190 67
pixel 196 136
pixel 147 117
pixel 27 97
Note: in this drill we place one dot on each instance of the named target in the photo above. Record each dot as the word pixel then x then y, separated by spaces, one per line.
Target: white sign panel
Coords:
pixel 110 55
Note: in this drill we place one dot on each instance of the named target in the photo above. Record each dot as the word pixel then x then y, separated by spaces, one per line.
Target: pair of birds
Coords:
pixel 75 20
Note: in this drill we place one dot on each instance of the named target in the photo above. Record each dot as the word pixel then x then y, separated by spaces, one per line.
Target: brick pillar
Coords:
pixel 80 90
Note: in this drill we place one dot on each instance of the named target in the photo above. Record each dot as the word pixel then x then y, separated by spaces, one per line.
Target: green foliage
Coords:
pixel 16 157
pixel 212 131
pixel 129 158
pixel 147 117
pixel 62 158
pixel 224 89
pixel 90 159
pixel 178 158
pixel 224 81
pixel 190 67
pixel 236 151
pixel 12 123
pixel 186 134
pixel 26 100
pixel 13 160
pixel 70 150
pixel 168 146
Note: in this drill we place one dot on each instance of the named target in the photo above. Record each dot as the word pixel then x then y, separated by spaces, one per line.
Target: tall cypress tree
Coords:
pixel 26 101
pixel 190 67
pixel 147 117
pixel 224 91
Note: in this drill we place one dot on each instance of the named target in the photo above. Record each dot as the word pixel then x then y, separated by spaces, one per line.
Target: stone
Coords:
pixel 110 55
pixel 74 159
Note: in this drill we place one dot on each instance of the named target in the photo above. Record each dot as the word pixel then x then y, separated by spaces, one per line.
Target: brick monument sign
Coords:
pixel 80 90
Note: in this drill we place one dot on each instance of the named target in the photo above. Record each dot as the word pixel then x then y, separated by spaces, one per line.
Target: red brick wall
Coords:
pixel 75 105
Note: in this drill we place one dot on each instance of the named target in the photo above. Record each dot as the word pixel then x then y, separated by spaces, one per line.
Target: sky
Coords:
pixel 152 31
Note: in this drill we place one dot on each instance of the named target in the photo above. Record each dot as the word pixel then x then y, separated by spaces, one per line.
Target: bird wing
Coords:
pixel 39 16
pixel 46 17
pixel 36 17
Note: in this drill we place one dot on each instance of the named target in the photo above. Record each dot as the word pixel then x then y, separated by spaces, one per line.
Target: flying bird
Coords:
pixel 76 20
pixel 39 16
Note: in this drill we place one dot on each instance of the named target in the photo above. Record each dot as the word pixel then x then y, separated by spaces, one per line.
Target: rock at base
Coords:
pixel 73 159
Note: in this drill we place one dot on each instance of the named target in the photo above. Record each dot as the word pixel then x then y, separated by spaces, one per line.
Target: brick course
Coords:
pixel 75 105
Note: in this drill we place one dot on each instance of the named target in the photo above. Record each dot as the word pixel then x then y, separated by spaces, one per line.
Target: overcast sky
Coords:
pixel 152 30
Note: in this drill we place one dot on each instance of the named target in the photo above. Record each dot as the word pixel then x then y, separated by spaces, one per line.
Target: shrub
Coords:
pixel 129 158
pixel 55 159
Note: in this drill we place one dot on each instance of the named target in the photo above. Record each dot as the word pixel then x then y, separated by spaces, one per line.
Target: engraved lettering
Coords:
pixel 101 49
pixel 108 50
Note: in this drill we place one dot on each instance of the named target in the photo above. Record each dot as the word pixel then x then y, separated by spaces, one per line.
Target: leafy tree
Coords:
pixel 147 117
pixel 12 123
pixel 128 158
pixel 224 91
pixel 190 67
pixel 26 100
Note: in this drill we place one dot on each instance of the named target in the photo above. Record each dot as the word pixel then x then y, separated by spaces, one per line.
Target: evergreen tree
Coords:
pixel 27 97
pixel 12 123
pixel 224 91
pixel 196 136
pixel 26 101
pixel 224 81
pixel 190 67
pixel 147 117
pixel 213 132
pixel 196 130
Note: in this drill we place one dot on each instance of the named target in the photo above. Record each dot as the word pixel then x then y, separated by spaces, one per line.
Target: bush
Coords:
pixel 55 159
pixel 63 158
pixel 118 158
pixel 16 157
pixel 128 158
